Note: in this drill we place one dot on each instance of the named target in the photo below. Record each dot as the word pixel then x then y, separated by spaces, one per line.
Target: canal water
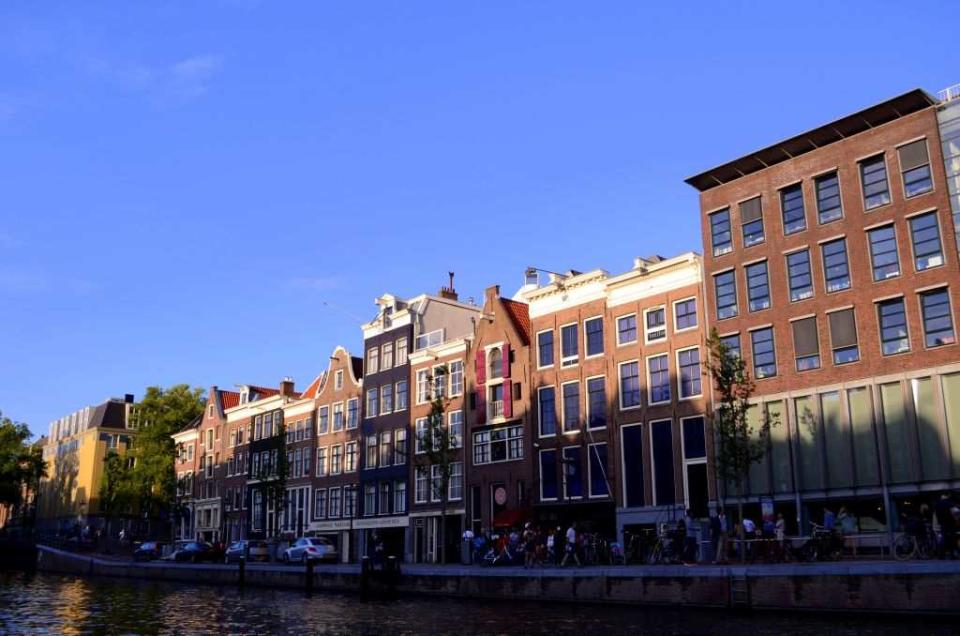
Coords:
pixel 50 604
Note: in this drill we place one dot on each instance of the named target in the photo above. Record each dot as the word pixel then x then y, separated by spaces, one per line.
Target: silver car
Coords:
pixel 310 549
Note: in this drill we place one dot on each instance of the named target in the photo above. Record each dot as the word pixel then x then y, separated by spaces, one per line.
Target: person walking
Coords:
pixel 529 546
pixel 570 548
pixel 551 547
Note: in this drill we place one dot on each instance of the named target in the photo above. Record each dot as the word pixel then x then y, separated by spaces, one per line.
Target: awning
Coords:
pixel 510 518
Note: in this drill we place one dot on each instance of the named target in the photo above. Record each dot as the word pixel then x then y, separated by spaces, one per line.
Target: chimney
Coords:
pixel 128 398
pixel 286 386
pixel 449 292
pixel 491 294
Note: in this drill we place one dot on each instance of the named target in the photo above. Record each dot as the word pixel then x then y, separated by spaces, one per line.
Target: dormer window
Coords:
pixel 338 380
pixel 496 364
pixel 210 410
pixel 244 395
pixel 429 339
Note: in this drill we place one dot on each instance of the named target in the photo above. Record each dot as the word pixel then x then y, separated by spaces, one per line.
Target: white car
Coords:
pixel 309 549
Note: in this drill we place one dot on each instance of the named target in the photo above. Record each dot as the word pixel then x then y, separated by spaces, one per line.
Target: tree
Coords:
pixel 21 464
pixel 738 444
pixel 275 479
pixel 439 448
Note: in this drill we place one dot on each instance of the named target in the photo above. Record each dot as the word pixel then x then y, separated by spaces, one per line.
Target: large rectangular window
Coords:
pixel 843 337
pixel 569 351
pixel 547 402
pixel 925 236
pixel 764 355
pixel 545 348
pixel 883 252
pixel 894 337
pixel 403 396
pixel 829 207
pixel 873 178
pixel 632 451
pixel 937 321
pixel 353 413
pixel 659 371
pixel 720 236
pixel 373 360
pixel 799 277
pixel 915 168
pixel 690 375
pixel 836 271
pixel 572 473
pixel 685 314
pixel 456 378
pixel 725 285
pixel 655 320
pixel 732 344
pixel 386 399
pixel 662 442
pixel 571 406
pixel 598 470
pixel 626 329
pixel 751 217
pixel 548 474
pixel 596 403
pixel 323 420
pixel 758 286
pixel 593 336
pixel 629 385
pixel 498 445
pixel 371 403
pixel 791 202
pixel 806 344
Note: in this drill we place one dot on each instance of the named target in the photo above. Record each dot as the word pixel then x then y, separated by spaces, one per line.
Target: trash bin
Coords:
pixel 466 552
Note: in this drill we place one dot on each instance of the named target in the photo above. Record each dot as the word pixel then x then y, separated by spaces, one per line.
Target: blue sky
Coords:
pixel 215 192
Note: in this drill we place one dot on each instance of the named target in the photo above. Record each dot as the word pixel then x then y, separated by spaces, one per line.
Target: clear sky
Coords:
pixel 215 192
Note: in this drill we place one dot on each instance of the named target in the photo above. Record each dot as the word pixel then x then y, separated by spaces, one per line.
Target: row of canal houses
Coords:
pixel 579 398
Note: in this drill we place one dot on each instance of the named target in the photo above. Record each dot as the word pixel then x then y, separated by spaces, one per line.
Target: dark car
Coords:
pixel 196 552
pixel 148 551
pixel 248 549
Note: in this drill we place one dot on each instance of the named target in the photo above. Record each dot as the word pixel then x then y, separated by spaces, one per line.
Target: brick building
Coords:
pixel 831 266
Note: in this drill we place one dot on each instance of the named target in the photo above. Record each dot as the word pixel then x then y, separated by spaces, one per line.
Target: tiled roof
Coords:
pixel 311 391
pixel 520 316
pixel 263 392
pixel 229 399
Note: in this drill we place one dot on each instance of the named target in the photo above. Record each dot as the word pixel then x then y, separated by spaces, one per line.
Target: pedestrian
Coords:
pixel 529 545
pixel 690 538
pixel 570 548
pixel 749 534
pixel 716 535
pixel 551 547
pixel 943 511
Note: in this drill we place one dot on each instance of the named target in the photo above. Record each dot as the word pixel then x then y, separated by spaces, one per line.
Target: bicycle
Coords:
pixel 665 550
pixel 910 545
pixel 822 545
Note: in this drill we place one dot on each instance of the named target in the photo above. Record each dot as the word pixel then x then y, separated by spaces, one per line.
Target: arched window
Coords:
pixel 496 363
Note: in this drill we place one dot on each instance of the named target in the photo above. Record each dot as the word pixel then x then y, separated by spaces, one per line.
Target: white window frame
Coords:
pixel 620 385
pixel 338 380
pixel 563 409
pixel 699 460
pixel 673 307
pixel 419 448
pixel 623 462
pixel 647 330
pixel 450 374
pixel 603 343
pixel 653 459
pixel 589 471
pixel 322 469
pixel 558 423
pixel 553 346
pixel 540 473
pixel 382 405
pixel 586 402
pixel 680 397
pixel 356 456
pixel 425 374
pixel 569 361
pixel 563 473
pixel 650 400
pixel 636 328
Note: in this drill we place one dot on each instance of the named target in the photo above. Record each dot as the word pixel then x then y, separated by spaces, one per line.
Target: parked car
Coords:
pixel 148 551
pixel 196 552
pixel 250 549
pixel 310 549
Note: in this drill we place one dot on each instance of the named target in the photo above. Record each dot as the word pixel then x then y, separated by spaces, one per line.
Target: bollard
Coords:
pixel 364 576
pixel 243 570
pixel 309 576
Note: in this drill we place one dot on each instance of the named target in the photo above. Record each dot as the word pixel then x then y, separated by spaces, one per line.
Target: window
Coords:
pixel 873 178
pixel 439 382
pixel 894 337
pixel 338 380
pixel 572 473
pixel 656 324
pixel 387 361
pixel 423 386
pixel 455 424
pixel 430 339
pixel 545 348
pixel 597 467
pixel 321 462
pixel 456 378
pixel 495 362
pixel 401 351
pixel 629 385
pixel 400 447
pixel 399 497
pixel 371 458
pixel 835 269
pixel 937 321
pixel 455 485
pixel 350 465
pixel 421 492
pixel 349 501
pixel 548 474
pixel 571 406
pixel 829 207
pixel 751 216
pixel 386 399
pixel 689 362
pixel 547 409
pixel 764 356
pixel 369 500
pixel 798 275
pixel 336 459
pixel 925 235
pixel 915 167
pixel 385 446
pixel 720 235
pixel 334 495
pixel 421 435
pixel 373 360
pixel 352 413
pixel 627 329
pixel 596 403
pixel 307 427
pixel 685 314
pixel 568 345
pixel 791 203
pixel 338 417
pixel 806 344
pixel 498 445
pixel 883 252
pixel 659 371
pixel 725 285
pixel 319 503
pixel 371 403
pixel 843 337
pixel 593 336
pixel 384 498
pixel 436 483
pixel 758 286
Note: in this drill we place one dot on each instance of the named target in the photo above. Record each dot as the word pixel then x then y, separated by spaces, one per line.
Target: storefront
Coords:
pixel 390 532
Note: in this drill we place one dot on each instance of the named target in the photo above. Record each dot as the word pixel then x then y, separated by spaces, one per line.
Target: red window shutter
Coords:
pixel 506 360
pixel 481 366
pixel 507 399
pixel 481 406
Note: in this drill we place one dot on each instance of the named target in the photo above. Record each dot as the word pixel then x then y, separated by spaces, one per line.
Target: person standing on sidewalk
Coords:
pixel 718 536
pixel 571 546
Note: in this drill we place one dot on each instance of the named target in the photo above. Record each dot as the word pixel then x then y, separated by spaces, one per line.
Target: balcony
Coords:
pixel 495 410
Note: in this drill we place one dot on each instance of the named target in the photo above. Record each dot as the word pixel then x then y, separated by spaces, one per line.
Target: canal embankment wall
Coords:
pixel 930 587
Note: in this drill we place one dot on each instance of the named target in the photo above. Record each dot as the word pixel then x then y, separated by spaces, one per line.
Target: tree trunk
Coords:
pixel 741 534
pixel 443 523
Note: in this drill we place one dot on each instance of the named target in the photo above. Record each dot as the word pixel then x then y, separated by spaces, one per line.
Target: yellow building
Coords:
pixel 75 451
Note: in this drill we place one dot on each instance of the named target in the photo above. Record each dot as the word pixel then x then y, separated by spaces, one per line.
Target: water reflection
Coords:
pixel 47 604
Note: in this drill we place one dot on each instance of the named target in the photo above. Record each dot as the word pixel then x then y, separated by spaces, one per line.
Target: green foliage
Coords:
pixel 20 463
pixel 439 448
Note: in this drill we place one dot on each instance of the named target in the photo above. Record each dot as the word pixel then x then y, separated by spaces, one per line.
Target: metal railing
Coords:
pixel 949 94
